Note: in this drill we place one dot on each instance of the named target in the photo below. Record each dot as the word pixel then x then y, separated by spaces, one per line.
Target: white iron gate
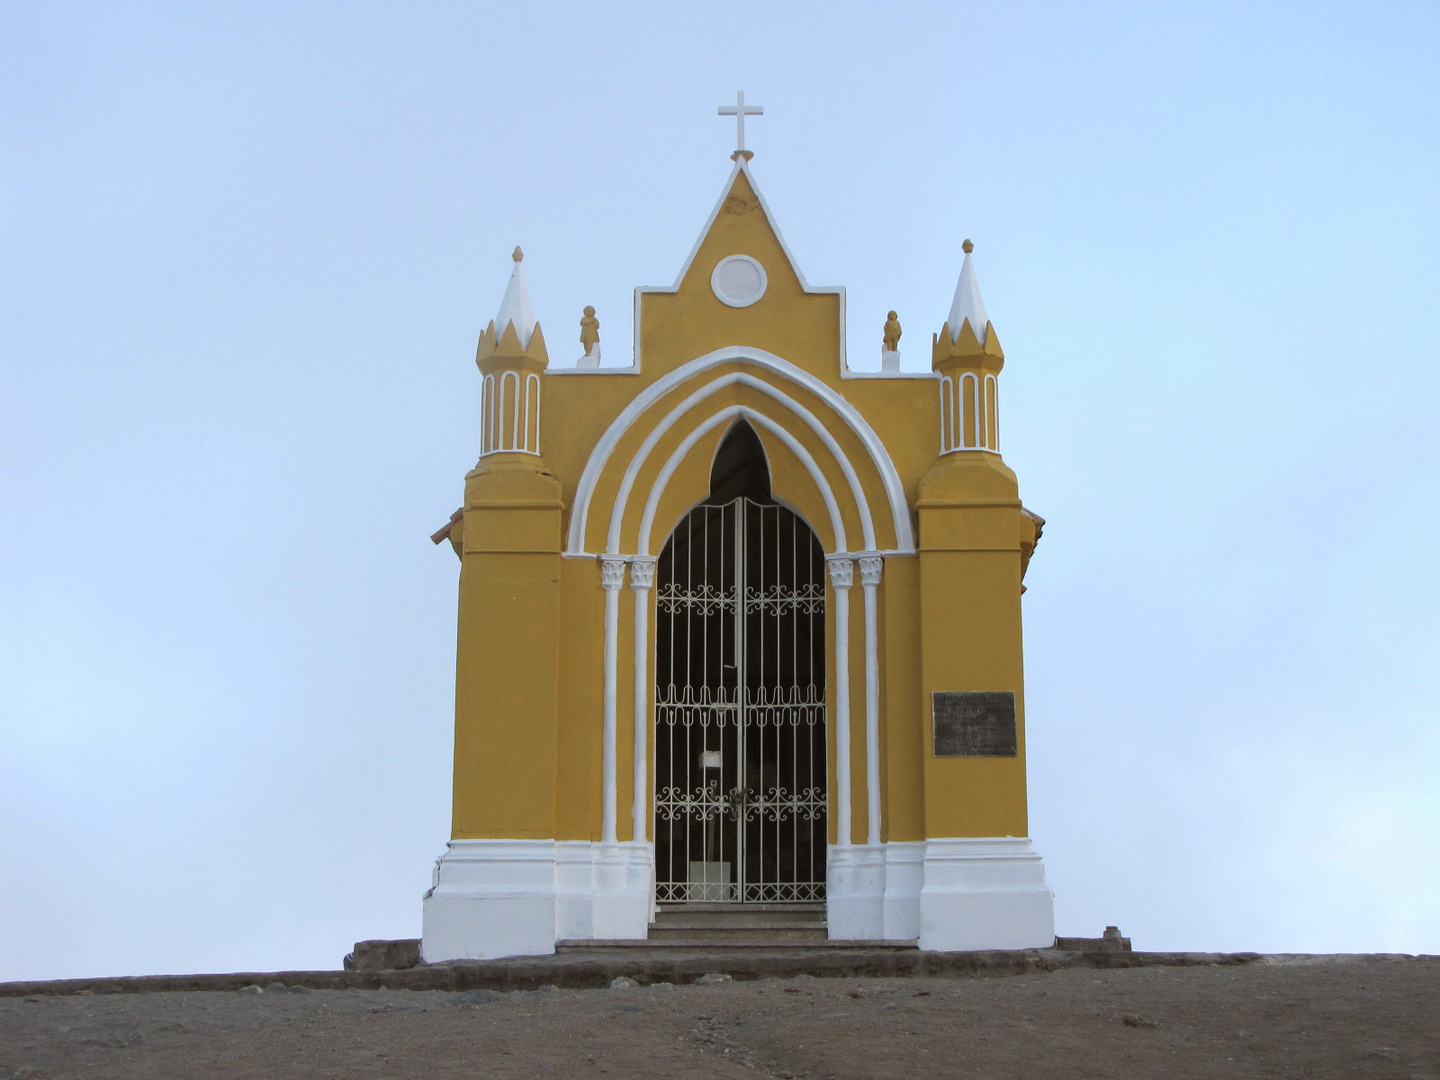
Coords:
pixel 740 781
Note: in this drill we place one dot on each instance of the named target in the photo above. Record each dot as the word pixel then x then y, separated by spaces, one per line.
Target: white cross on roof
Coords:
pixel 740 110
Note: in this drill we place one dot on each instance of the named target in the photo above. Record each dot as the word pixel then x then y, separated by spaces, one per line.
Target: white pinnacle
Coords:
pixel 967 303
pixel 515 307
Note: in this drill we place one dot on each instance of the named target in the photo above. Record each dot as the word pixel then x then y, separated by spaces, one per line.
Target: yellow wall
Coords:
pixel 509 626
pixel 906 716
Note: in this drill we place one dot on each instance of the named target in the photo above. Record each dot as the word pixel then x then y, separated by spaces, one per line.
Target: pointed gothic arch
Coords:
pixel 836 521
pixel 846 485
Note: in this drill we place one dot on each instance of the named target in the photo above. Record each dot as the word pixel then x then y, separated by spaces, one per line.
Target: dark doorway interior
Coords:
pixel 740 784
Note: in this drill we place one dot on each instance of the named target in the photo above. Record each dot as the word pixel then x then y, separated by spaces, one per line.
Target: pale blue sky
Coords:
pixel 246 252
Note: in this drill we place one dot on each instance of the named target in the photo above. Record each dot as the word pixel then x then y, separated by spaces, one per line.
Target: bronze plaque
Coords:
pixel 974 723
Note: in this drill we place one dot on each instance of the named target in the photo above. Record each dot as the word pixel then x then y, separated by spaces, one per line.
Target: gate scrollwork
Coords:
pixel 741 796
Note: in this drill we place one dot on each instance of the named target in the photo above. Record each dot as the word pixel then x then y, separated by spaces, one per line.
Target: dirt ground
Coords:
pixel 1361 1018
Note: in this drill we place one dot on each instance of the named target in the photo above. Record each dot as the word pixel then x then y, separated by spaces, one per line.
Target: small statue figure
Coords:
pixel 892 333
pixel 589 330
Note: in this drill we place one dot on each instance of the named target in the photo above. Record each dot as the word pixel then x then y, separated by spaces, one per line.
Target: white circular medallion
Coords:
pixel 738 280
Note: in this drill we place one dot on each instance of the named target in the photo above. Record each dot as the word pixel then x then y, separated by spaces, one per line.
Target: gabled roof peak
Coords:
pixel 741 202
pixel 967 303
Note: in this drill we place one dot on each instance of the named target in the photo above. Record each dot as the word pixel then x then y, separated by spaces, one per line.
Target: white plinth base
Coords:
pixel 952 894
pixel 985 893
pixel 493 898
pixel 591 359
pixel 889 360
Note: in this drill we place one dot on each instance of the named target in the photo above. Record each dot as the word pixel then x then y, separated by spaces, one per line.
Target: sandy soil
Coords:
pixel 1370 1018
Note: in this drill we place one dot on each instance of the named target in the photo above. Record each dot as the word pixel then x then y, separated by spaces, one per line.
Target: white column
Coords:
pixel 842 576
pixel 612 576
pixel 870 569
pixel 642 577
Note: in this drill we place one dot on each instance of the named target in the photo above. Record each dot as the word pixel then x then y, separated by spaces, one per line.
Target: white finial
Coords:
pixel 515 307
pixel 740 110
pixel 967 303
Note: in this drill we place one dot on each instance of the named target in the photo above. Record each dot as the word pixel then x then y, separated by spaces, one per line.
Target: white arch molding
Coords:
pixel 847 413
pixel 745 412
pixel 857 491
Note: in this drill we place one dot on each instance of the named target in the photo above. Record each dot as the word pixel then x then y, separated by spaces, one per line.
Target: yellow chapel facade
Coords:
pixel 739 626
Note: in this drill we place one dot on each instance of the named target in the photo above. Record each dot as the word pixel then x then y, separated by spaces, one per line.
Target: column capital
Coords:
pixel 612 571
pixel 642 571
pixel 842 570
pixel 871 567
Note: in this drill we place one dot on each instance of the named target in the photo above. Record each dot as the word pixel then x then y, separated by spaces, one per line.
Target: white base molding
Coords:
pixel 855 892
pixel 985 893
pixel 494 898
pixel 953 895
pixel 904 875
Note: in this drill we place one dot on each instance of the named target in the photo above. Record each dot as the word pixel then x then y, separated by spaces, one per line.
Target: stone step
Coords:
pixel 808 909
pixel 741 920
pixel 778 934
pixel 641 948
pixel 1112 941
pixel 742 916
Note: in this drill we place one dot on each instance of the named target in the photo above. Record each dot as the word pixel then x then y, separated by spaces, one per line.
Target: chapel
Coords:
pixel 739 624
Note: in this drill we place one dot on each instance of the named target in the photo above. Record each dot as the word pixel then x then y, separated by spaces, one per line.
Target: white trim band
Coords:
pixel 642 579
pixel 612 576
pixel 842 575
pixel 871 567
